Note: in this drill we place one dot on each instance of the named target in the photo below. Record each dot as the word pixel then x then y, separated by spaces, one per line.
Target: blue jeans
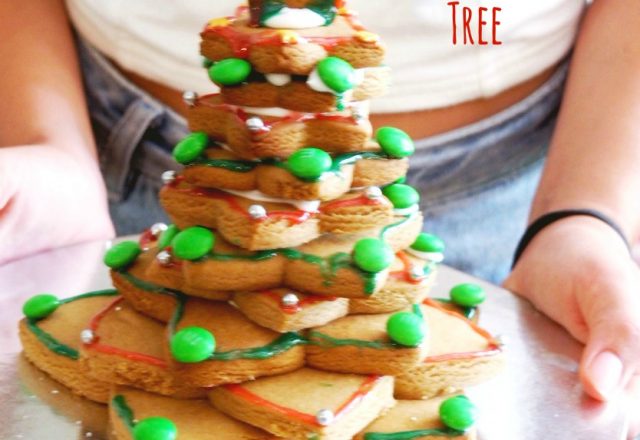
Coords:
pixel 477 182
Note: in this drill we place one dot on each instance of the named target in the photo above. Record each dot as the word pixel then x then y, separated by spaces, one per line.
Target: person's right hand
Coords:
pixel 49 198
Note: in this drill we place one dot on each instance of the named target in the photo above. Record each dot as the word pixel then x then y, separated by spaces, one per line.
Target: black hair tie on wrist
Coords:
pixel 552 217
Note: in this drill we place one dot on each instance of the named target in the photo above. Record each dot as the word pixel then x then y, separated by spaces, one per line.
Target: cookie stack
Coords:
pixel 289 298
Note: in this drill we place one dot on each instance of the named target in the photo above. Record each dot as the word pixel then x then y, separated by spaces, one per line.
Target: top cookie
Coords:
pixel 287 51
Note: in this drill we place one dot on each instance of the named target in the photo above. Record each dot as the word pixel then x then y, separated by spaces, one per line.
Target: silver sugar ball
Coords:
pixel 190 97
pixel 168 176
pixel 255 123
pixel 164 258
pixel 324 417
pixel 290 299
pixel 87 336
pixel 257 211
pixel 501 340
pixel 416 272
pixel 157 229
pixel 373 192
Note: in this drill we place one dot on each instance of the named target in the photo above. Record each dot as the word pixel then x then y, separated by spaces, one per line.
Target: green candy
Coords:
pixel 428 243
pixel 192 345
pixel 406 329
pixel 230 72
pixel 155 428
pixel 395 142
pixel 372 255
pixel 309 163
pixel 402 196
pixel 458 413
pixel 403 179
pixel 193 243
pixel 468 295
pixel 190 148
pixel 122 254
pixel 167 236
pixel 40 306
pixel 337 74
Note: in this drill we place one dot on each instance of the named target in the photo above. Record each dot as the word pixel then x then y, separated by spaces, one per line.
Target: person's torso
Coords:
pixel 159 40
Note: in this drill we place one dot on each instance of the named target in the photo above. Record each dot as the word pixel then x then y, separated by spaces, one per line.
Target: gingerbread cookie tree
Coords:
pixel 291 288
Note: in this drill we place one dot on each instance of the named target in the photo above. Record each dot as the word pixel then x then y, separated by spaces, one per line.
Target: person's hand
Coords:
pixel 578 272
pixel 49 198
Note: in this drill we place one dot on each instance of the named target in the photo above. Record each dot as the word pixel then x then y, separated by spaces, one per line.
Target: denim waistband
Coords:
pixel 135 134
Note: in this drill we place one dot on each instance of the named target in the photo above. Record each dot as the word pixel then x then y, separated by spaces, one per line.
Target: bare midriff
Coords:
pixel 419 124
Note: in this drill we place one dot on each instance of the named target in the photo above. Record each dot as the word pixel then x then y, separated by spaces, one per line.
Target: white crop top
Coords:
pixel 159 39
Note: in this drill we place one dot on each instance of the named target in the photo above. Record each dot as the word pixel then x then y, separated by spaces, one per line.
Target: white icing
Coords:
pixel 406 211
pixel 436 257
pixel 276 112
pixel 294 18
pixel 315 83
pixel 278 79
pixel 258 196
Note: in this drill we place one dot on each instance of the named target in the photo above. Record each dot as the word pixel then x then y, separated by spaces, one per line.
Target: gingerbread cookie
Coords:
pixel 370 344
pixel 137 414
pixel 51 336
pixel 287 51
pixel 425 420
pixel 297 93
pixel 311 174
pixel 283 310
pixel 307 403
pixel 194 262
pixel 265 135
pixel 209 344
pixel 248 221
pixel 460 354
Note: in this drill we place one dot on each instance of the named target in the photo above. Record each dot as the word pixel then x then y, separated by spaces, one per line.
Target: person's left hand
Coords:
pixel 578 272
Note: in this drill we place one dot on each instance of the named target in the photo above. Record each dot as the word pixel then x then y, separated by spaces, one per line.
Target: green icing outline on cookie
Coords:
pixel 410 435
pixel 124 411
pixel 52 343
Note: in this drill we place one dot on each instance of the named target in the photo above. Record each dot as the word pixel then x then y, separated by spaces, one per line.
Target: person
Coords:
pixel 483 117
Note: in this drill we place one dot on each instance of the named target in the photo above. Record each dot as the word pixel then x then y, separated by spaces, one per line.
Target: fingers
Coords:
pixel 612 313
pixel 633 404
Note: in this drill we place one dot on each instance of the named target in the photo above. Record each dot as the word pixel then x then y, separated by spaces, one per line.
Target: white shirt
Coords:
pixel 159 39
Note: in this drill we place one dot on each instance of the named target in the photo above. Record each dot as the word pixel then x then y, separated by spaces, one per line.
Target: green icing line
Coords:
pixel 52 343
pixel 149 287
pixel 238 166
pixel 124 411
pixel 322 340
pixel 258 256
pixel 392 226
pixel 467 312
pixel 285 342
pixel 410 435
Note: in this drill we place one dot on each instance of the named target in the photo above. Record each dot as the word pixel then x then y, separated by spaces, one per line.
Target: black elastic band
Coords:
pixel 545 220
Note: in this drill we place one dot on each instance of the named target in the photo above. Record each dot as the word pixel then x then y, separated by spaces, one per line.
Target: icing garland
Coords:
pixel 411 435
pixel 276 14
pixel 52 343
pixel 152 428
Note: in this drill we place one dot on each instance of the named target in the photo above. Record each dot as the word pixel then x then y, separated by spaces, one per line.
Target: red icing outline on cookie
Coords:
pixel 110 350
pixel 405 273
pixel 494 346
pixel 309 419
pixel 295 216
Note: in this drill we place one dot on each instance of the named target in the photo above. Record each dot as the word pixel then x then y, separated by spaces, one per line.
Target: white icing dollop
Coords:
pixel 259 196
pixel 407 211
pixel 436 257
pixel 278 79
pixel 276 112
pixel 315 83
pixel 294 18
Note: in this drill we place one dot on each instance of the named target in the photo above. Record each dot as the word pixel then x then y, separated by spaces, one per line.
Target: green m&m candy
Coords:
pixel 372 255
pixel 190 148
pixel 395 142
pixel 337 74
pixel 192 345
pixel 40 306
pixel 155 428
pixel 468 295
pixel 230 72
pixel 309 163
pixel 403 179
pixel 402 196
pixel 193 243
pixel 428 243
pixel 406 329
pixel 167 236
pixel 458 413
pixel 122 254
